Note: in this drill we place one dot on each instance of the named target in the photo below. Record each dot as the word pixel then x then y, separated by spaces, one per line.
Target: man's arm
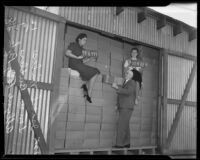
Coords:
pixel 137 90
pixel 137 93
pixel 127 91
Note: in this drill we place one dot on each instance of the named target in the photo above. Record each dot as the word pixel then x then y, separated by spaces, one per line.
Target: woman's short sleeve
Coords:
pixel 71 46
pixel 74 48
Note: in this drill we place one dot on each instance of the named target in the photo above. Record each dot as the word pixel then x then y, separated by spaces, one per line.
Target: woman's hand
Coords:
pixel 85 60
pixel 80 57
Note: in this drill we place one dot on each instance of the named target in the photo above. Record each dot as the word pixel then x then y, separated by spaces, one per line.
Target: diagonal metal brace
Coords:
pixel 25 94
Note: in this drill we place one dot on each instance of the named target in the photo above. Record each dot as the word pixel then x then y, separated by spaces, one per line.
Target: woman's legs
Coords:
pixel 91 84
pixel 85 92
pixel 88 86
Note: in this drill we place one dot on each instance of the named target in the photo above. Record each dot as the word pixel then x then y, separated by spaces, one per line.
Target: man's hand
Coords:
pixel 136 101
pixel 116 108
pixel 114 85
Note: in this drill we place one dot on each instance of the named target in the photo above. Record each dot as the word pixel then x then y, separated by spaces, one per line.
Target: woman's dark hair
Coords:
pixel 139 56
pixel 134 48
pixel 137 76
pixel 81 36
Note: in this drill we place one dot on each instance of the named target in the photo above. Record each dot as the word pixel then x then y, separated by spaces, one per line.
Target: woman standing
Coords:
pixel 87 73
pixel 135 55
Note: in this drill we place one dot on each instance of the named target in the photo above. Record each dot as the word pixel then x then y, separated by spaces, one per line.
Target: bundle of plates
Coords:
pixel 90 53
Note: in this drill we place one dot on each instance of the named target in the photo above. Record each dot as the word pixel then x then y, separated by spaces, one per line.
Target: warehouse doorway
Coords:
pixel 93 125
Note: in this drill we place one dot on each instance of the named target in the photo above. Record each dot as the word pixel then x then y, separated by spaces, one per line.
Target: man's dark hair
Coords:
pixel 137 76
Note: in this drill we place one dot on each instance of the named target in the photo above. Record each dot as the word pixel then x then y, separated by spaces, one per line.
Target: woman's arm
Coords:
pixel 69 54
pixel 126 64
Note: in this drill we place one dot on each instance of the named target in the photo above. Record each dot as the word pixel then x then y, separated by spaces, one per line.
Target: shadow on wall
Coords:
pixel 58 106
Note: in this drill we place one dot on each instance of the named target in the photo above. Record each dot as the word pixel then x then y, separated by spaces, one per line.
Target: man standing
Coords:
pixel 126 100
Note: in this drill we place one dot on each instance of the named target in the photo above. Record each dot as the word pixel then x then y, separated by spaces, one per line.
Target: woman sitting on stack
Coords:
pixel 87 73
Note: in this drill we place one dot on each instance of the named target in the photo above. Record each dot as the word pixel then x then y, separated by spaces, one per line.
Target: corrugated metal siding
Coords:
pixel 192 47
pixel 179 70
pixel 42 42
pixel 125 24
pixel 166 34
pixel 180 42
pixel 186 132
pixel 102 18
pixel 178 73
pixel 119 24
pixel 192 95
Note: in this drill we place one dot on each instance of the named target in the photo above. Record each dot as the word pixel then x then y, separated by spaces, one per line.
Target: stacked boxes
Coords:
pixel 74 137
pixel 80 124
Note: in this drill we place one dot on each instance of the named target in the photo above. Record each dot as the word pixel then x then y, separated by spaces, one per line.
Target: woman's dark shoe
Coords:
pixel 84 87
pixel 88 98
pixel 127 146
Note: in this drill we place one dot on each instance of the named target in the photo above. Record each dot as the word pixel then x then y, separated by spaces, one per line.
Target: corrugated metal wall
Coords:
pixel 125 24
pixel 185 137
pixel 35 37
pixel 178 74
